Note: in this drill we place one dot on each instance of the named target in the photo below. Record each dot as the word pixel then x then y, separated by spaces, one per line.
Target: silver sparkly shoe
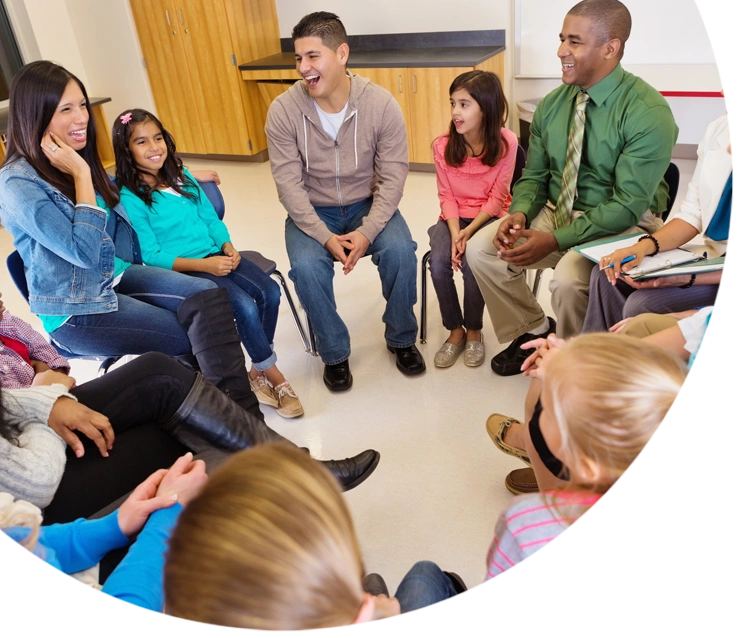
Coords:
pixel 448 354
pixel 475 353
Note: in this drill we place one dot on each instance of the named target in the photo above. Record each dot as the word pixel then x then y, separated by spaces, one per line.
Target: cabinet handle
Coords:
pixel 167 15
pixel 400 86
pixel 179 13
pixel 413 84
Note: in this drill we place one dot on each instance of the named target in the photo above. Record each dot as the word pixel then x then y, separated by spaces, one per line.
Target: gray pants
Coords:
pixel 609 304
pixel 440 264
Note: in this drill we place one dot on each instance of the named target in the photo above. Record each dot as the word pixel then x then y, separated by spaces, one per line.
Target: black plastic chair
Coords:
pixel 521 160
pixel 672 177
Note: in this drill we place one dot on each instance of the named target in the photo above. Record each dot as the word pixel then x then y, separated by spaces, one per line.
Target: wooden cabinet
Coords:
pixel 191 49
pixel 423 94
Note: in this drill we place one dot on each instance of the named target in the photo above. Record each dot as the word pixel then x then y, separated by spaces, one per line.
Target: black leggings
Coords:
pixel 138 397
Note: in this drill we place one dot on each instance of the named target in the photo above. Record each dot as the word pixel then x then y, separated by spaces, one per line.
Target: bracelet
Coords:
pixel 655 241
pixel 691 282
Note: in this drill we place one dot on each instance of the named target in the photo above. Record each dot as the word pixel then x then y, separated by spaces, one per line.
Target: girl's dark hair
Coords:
pixel 171 173
pixel 35 93
pixel 485 88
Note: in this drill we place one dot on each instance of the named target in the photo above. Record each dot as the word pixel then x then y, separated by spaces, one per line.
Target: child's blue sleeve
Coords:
pixel 139 579
pixel 217 230
pixel 81 544
pixel 151 251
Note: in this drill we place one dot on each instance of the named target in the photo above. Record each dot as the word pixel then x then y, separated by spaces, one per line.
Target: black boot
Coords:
pixel 209 321
pixel 354 470
pixel 209 418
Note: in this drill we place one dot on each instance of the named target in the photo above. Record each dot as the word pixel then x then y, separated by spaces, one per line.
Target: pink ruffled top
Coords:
pixel 474 187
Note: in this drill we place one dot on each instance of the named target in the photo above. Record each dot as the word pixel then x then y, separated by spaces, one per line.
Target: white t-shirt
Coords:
pixel 331 122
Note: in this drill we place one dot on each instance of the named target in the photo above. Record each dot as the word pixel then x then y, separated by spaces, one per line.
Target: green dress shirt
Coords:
pixel 630 134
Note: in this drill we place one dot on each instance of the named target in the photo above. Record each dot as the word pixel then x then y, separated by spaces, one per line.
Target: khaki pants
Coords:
pixel 511 305
pixel 648 324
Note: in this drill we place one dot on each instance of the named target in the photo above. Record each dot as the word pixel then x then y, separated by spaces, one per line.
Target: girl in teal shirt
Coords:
pixel 178 229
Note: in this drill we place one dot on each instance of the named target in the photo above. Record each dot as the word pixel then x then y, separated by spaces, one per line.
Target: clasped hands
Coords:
pixel 355 242
pixel 537 244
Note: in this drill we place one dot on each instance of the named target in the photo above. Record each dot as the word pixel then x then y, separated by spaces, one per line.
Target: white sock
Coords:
pixel 542 328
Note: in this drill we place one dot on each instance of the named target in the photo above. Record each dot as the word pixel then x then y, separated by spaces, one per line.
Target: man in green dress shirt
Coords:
pixel 628 137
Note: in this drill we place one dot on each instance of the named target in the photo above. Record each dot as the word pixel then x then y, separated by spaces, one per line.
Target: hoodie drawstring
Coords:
pixel 355 114
pixel 305 139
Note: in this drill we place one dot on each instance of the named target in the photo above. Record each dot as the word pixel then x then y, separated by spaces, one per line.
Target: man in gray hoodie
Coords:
pixel 339 158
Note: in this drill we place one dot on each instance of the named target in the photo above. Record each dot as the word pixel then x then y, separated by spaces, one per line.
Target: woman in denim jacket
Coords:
pixel 81 254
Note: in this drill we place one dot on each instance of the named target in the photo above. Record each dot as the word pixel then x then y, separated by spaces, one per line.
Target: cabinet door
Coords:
pixel 429 104
pixel 161 44
pixel 395 81
pixel 211 62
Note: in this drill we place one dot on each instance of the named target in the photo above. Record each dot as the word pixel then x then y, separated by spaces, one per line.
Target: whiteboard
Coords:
pixel 664 32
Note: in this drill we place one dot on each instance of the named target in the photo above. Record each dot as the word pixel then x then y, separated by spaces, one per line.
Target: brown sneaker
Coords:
pixel 264 391
pixel 521 481
pixel 289 406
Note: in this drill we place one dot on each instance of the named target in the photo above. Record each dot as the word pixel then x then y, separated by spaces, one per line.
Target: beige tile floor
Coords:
pixel 439 487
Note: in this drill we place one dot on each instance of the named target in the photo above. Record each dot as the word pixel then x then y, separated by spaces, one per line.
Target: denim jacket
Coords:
pixel 67 251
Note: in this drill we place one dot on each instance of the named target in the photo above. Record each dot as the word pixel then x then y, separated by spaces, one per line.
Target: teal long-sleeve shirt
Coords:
pixel 629 136
pixel 174 226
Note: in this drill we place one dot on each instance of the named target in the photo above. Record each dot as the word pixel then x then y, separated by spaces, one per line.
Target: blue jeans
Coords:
pixel 312 272
pixel 255 300
pixel 425 584
pixel 146 319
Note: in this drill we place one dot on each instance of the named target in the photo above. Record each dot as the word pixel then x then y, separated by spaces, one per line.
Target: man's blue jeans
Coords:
pixel 425 584
pixel 312 272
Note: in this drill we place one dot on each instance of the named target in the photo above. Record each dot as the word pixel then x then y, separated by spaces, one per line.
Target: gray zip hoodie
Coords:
pixel 369 157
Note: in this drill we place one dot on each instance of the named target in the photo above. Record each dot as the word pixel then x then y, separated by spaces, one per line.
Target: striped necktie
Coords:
pixel 567 196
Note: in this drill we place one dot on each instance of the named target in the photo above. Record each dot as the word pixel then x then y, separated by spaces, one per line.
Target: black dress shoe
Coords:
pixel 375 585
pixel 509 362
pixel 338 377
pixel 353 471
pixel 409 360
pixel 457 582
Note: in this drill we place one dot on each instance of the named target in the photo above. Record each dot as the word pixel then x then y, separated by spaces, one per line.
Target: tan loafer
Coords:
pixel 475 353
pixel 448 354
pixel 497 424
pixel 264 391
pixel 289 405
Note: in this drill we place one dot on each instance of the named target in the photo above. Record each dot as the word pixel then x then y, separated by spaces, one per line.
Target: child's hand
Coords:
pixel 49 377
pixel 142 502
pixel 185 479
pixel 68 416
pixel 536 363
pixel 231 252
pixel 206 176
pixel 219 266
pixel 459 245
pixel 386 607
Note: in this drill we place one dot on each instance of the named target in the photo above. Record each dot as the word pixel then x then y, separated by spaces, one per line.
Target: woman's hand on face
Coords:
pixel 63 157
pixel 615 272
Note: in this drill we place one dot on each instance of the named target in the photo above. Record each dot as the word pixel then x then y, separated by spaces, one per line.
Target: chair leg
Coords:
pixel 424 264
pixel 536 284
pixel 106 364
pixel 308 343
pixel 312 338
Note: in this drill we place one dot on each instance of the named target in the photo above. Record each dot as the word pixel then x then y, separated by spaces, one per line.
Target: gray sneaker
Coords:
pixel 448 354
pixel 475 353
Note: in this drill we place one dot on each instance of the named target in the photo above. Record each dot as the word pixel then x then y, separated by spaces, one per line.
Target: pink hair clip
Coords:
pixel 126 118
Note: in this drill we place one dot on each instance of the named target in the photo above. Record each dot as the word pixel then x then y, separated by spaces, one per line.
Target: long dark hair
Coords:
pixel 35 93
pixel 485 88
pixel 171 173
pixel 8 431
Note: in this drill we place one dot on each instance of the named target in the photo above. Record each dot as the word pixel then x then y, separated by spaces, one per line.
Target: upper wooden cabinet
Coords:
pixel 191 49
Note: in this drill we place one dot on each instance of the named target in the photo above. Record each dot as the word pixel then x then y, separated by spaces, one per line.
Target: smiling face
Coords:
pixel 585 58
pixel 466 115
pixel 323 70
pixel 148 148
pixel 69 122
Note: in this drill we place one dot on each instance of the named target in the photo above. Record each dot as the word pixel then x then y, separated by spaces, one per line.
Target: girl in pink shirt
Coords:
pixel 475 163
